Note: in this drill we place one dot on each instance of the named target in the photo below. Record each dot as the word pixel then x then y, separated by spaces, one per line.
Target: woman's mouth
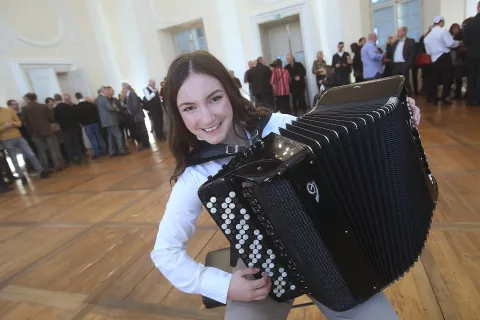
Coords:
pixel 212 129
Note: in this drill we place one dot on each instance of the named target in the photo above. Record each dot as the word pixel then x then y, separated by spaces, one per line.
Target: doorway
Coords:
pixel 280 37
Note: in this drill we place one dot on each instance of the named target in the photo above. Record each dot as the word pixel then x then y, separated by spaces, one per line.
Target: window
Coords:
pixel 389 15
pixel 190 40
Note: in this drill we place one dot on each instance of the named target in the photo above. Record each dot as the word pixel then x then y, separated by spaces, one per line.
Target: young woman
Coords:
pixel 204 103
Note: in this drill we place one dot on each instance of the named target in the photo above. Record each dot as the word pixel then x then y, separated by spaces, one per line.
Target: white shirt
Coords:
pixel 149 95
pixel 340 53
pixel 398 55
pixel 178 225
pixel 438 42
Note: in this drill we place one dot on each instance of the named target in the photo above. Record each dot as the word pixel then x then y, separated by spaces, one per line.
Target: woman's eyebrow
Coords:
pixel 208 97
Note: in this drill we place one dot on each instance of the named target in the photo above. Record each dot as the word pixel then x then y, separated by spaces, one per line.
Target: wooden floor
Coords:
pixel 77 245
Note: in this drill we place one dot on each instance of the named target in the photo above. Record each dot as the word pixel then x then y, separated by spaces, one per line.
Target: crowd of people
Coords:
pixel 50 135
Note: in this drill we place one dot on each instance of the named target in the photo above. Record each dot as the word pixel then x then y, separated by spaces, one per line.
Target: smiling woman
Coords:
pixel 204 103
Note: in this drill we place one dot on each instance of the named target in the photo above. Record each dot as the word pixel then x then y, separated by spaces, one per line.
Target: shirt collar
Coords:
pixel 81 100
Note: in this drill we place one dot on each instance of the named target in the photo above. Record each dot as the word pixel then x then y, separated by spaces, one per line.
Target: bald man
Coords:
pixel 297 84
pixel 372 59
pixel 403 55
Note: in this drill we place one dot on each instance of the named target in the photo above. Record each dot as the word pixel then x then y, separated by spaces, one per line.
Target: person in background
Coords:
pixel 372 59
pixel 153 104
pixel 65 115
pixel 13 104
pixel 281 87
pixel 237 81
pixel 4 187
pixel 11 139
pixel 472 43
pixel 134 107
pixel 388 58
pixel 357 64
pixel 403 56
pixel 342 62
pixel 89 118
pixel 251 64
pixel 38 119
pixel 259 79
pixel 318 69
pixel 109 119
pixel 438 44
pixel 298 85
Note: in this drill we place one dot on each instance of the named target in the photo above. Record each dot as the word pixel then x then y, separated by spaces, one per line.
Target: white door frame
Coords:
pixel 308 39
pixel 20 68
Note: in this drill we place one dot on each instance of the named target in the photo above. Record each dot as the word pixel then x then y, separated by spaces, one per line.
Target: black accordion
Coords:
pixel 338 205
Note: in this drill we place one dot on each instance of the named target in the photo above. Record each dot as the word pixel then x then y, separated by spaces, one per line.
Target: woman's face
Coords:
pixel 320 56
pixel 51 104
pixel 455 30
pixel 205 108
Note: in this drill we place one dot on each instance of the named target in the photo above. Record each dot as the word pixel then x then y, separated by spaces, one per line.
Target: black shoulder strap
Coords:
pixel 205 152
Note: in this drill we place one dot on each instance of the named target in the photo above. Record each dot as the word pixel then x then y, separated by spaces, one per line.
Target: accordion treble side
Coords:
pixel 338 205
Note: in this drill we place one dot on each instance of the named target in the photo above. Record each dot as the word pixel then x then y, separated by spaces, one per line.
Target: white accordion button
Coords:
pixel 252 247
pixel 255 251
pixel 263 274
pixel 231 194
pixel 284 274
pixel 227 200
pixel 271 265
pixel 224 216
pixel 255 242
pixel 276 282
pixel 242 231
pixel 242 242
pixel 239 227
pixel 231 216
pixel 267 269
pixel 275 291
pixel 270 274
pixel 281 270
pixel 241 251
pixel 269 251
pixel 259 247
pixel 245 237
pixel 213 199
pixel 246 226
pixel 246 217
pixel 260 237
pixel 213 210
pixel 228 211
pixel 283 283
pixel 272 256
pixel 279 295
pixel 224 205
pixel 292 287
pixel 280 278
pixel 238 236
pixel 254 260
pixel 282 291
pixel 251 256
pixel 259 256
pixel 264 265
pixel 243 211
pixel 268 261
pixel 232 206
pixel 238 246
pixel 209 205
pixel 224 226
pixel 227 231
pixel 228 221
pixel 242 222
pixel 250 264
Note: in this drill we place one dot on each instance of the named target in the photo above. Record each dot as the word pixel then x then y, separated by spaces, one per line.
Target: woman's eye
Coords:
pixel 216 98
pixel 189 108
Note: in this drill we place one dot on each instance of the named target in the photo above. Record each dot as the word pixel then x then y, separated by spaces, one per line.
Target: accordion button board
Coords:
pixel 338 205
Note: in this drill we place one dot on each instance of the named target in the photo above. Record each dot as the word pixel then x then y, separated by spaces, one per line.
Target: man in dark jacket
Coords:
pixel 403 50
pixel 65 115
pixel 259 79
pixel 134 107
pixel 297 84
pixel 87 115
pixel 471 40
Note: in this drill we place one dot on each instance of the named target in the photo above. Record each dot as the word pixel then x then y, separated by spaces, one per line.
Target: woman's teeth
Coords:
pixel 212 128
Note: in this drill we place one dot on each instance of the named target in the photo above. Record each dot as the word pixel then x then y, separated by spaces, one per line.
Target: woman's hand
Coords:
pixel 242 289
pixel 415 111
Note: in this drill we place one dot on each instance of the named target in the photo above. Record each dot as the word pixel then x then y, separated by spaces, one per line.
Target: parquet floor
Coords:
pixel 76 246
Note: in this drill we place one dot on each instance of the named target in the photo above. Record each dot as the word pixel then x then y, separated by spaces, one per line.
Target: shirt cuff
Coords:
pixel 215 284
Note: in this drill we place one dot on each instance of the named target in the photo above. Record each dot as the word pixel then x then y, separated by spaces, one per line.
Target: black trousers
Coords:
pixel 401 69
pixel 298 99
pixel 73 145
pixel 266 100
pixel 157 123
pixel 283 104
pixel 415 78
pixel 473 84
pixel 142 134
pixel 441 68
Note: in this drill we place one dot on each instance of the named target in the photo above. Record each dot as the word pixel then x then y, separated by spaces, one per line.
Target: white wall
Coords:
pixel 130 40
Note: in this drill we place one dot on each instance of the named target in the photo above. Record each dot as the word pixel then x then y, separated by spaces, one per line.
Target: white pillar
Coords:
pixel 231 38
pixel 101 36
pixel 470 8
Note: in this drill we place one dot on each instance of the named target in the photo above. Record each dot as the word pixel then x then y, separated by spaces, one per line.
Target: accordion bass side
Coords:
pixel 338 205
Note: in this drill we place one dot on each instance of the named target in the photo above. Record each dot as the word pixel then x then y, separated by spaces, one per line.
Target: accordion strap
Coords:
pixel 205 152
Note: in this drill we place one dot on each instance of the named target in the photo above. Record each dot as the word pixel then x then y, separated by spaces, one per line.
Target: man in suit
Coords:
pixel 403 55
pixel 134 107
pixel 342 62
pixel 87 115
pixel 259 79
pixel 109 119
pixel 471 38
pixel 153 104
pixel 297 84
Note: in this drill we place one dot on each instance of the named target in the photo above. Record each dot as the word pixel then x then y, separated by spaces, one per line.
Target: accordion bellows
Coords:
pixel 338 205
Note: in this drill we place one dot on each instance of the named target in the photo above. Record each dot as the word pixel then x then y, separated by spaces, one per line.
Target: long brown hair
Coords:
pixel 180 139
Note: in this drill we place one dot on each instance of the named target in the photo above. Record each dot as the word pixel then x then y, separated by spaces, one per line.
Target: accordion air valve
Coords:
pixel 338 205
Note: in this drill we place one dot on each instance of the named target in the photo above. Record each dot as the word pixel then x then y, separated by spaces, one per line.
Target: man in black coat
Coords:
pixel 403 50
pixel 259 79
pixel 471 40
pixel 297 84
pixel 87 115
pixel 135 109
pixel 153 104
pixel 342 63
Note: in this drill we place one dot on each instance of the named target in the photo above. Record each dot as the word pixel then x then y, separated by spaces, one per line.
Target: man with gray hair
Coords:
pixel 403 55
pixel 134 107
pixel 153 104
